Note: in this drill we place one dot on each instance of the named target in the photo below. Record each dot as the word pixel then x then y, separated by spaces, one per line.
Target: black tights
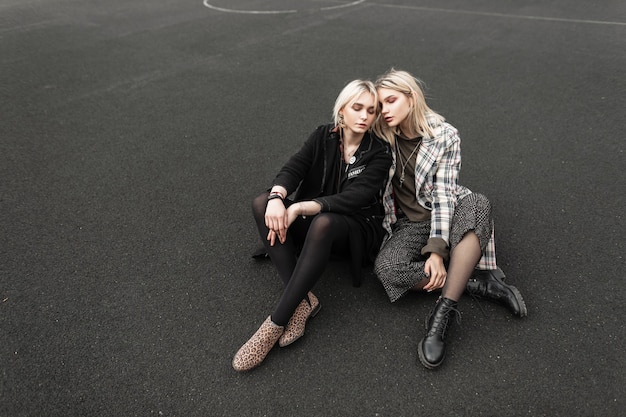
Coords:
pixel 319 236
pixel 463 260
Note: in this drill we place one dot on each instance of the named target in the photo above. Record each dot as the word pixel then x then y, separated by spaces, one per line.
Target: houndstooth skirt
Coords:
pixel 400 264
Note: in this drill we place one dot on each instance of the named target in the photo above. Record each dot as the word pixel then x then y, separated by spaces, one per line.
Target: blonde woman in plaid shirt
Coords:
pixel 439 233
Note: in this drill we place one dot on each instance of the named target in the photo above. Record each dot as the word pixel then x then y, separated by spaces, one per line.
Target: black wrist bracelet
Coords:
pixel 274 196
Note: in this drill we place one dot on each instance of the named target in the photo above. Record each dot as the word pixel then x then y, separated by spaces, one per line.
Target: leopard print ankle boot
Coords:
pixel 297 322
pixel 252 353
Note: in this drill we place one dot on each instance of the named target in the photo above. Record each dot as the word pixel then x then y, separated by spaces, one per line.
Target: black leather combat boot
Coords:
pixel 432 348
pixel 490 284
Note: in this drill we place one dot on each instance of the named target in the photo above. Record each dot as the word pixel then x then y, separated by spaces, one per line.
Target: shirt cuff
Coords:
pixel 438 246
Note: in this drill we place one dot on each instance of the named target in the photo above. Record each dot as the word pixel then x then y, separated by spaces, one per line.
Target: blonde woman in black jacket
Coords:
pixel 337 179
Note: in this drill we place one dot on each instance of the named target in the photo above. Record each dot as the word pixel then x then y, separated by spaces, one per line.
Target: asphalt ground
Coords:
pixel 135 134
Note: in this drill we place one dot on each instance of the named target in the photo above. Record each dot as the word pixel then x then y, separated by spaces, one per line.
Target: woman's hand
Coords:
pixel 436 271
pixel 282 223
pixel 276 220
pixel 293 212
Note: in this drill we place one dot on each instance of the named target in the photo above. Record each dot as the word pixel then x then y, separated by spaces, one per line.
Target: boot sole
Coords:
pixel 423 360
pixel 523 311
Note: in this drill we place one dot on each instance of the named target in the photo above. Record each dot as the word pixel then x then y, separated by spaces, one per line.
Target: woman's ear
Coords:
pixel 412 100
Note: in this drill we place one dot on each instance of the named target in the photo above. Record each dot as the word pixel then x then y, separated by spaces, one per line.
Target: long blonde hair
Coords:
pixel 350 93
pixel 423 120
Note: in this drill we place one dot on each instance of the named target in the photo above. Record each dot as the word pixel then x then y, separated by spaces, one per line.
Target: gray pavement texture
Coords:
pixel 134 135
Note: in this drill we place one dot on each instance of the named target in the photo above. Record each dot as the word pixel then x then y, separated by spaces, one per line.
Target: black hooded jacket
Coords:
pixel 317 172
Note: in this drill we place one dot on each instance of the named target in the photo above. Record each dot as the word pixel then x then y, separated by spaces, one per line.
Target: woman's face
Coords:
pixel 359 115
pixel 395 106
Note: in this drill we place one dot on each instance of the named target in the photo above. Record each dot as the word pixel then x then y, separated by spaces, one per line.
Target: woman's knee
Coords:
pixel 324 222
pixel 259 204
pixel 482 203
pixel 327 229
pixel 385 264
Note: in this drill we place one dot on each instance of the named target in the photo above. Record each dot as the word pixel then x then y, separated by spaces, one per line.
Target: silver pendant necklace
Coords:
pixel 352 159
pixel 407 160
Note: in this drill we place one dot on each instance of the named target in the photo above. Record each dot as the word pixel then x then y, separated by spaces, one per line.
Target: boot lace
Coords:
pixel 440 326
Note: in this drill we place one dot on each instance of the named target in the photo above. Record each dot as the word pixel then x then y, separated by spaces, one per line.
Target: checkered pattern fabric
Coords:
pixel 437 167
pixel 400 265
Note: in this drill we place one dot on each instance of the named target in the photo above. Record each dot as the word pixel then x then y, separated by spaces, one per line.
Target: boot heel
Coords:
pixel 315 310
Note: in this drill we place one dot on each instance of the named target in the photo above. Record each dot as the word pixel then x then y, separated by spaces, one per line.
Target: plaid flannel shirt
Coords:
pixel 437 167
